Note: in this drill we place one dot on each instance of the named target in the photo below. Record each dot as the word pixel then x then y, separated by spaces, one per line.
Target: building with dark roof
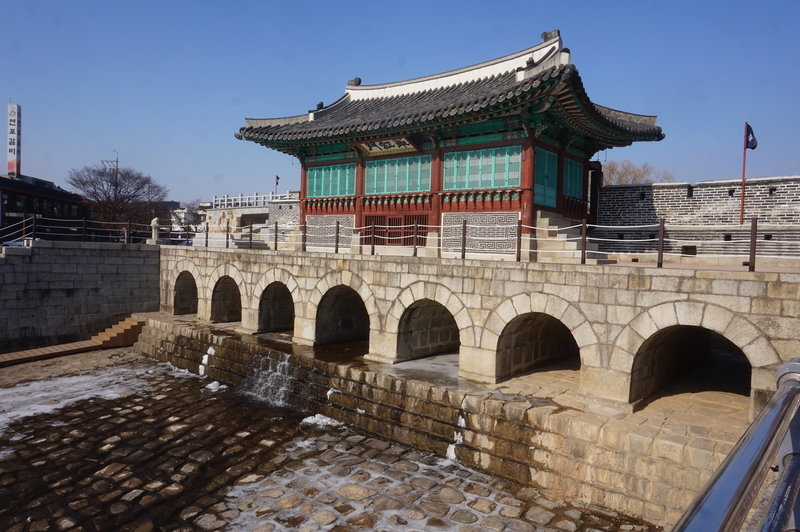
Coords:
pixel 25 196
pixel 492 143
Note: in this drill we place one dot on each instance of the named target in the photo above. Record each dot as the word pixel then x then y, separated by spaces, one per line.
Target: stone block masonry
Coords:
pixel 774 200
pixel 610 311
pixel 634 465
pixel 57 292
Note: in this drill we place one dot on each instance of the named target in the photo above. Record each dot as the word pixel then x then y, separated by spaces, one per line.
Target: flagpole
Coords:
pixel 744 165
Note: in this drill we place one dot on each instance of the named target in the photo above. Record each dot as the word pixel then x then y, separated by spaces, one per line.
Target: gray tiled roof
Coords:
pixel 348 119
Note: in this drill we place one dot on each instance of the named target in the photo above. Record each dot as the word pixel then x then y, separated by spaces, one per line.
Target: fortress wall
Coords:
pixel 57 292
pixel 774 200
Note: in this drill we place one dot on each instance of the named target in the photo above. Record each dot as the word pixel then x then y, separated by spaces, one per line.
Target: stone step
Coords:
pixel 123 334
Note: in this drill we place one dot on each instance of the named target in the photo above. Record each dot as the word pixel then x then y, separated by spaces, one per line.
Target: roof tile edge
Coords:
pixel 531 59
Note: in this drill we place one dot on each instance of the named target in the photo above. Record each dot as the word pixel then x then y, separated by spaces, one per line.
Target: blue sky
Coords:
pixel 167 83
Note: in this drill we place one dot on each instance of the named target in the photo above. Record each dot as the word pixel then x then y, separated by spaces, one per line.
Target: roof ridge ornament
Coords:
pixel 550 35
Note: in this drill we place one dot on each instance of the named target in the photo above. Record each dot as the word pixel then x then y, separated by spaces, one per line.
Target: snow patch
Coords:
pixel 175 371
pixel 215 386
pixel 211 350
pixel 320 421
pixel 205 360
pixel 42 397
pixel 331 392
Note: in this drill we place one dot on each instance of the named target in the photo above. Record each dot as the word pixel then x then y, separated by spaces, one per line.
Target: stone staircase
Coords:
pixel 123 334
pixel 565 246
pixel 247 240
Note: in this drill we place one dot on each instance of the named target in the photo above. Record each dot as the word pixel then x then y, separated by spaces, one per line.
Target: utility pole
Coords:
pixel 112 164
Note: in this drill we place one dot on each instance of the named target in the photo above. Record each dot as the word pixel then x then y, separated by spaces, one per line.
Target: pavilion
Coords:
pixel 496 143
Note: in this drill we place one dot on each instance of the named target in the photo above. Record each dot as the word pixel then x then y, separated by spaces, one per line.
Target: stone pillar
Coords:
pixel 604 383
pixel 477 364
pixel 153 240
pixel 250 319
pixel 382 347
pixel 304 331
pixel 203 307
pixel 432 245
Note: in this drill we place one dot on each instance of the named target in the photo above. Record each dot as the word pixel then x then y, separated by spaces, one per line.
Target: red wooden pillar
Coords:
pixel 526 201
pixel 560 182
pixel 360 176
pixel 437 176
pixel 303 192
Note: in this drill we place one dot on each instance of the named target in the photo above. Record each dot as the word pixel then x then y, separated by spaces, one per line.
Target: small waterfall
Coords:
pixel 458 436
pixel 271 379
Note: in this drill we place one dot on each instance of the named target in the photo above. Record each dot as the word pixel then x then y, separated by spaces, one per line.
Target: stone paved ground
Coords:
pixel 137 446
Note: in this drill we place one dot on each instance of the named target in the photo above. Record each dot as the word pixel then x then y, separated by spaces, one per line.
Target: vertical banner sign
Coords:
pixel 14 134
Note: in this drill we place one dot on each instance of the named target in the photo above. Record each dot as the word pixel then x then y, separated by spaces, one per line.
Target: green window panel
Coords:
pixel 334 180
pixel 545 174
pixel 573 178
pixel 478 169
pixel 404 174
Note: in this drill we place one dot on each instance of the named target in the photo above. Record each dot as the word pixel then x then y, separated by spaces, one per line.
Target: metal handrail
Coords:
pixel 772 438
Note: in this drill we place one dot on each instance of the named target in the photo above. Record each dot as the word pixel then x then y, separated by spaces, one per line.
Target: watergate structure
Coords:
pixel 630 330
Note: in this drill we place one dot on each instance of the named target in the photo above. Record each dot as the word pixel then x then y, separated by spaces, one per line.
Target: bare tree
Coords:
pixel 118 195
pixel 629 173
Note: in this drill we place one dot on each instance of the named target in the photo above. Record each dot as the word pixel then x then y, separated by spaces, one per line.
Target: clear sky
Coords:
pixel 166 84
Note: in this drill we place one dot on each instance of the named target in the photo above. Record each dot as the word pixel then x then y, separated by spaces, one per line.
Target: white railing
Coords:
pixel 737 245
pixel 253 200
pixel 655 244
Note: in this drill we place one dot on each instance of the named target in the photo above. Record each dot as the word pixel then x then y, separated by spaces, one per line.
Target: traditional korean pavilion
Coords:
pixel 491 143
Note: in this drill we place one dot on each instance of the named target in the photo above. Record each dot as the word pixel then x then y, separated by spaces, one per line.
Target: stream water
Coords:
pixel 143 446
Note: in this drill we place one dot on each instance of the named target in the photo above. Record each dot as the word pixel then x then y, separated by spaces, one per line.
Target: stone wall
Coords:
pixel 630 466
pixel 610 311
pixel 487 232
pixel 57 292
pixel 774 200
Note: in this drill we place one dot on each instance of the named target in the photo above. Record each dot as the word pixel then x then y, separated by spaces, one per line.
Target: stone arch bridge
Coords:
pixel 628 331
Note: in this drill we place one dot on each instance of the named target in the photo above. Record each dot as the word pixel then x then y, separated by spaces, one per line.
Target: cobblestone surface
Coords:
pixel 157 449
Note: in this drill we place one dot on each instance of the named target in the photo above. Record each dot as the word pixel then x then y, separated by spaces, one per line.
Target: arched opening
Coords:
pixel 426 328
pixel 276 309
pixel 226 301
pixel 341 317
pixel 688 359
pixel 533 340
pixel 184 300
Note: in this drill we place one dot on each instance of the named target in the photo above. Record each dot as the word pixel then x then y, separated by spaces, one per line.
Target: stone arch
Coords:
pixel 282 277
pixel 226 300
pixel 436 292
pixel 348 279
pixel 172 278
pixel 341 317
pixel 278 275
pixel 532 340
pixel 738 330
pixel 184 294
pixel 537 304
pixel 426 328
pixel 699 358
pixel 646 348
pixel 231 271
pixel 276 308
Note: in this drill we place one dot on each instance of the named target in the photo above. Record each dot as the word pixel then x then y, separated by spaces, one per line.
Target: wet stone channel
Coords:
pixel 143 446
